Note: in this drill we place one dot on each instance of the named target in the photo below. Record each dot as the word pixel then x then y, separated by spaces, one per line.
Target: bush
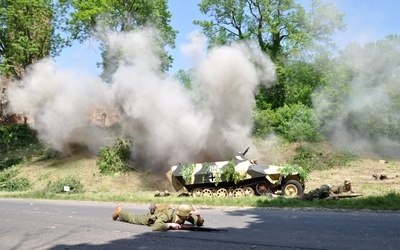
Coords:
pixel 313 158
pixel 9 183
pixel 17 135
pixel 8 174
pixel 297 123
pixel 112 159
pixel 15 184
pixel 74 184
pixel 263 121
pixel 9 162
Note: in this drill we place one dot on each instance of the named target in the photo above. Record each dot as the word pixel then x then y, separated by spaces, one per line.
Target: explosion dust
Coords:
pixel 166 122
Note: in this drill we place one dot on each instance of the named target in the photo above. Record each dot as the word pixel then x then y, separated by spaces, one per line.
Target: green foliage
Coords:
pixel 293 123
pixel 362 98
pixel 300 80
pixel 314 158
pixel 217 176
pixel 287 170
pixel 9 162
pixel 57 187
pixel 297 123
pixel 18 143
pixel 185 78
pixel 207 166
pixel 8 182
pixel 33 25
pixel 113 159
pixel 120 16
pixel 15 184
pixel 263 122
pixel 231 174
pixel 187 172
pixel 8 174
pixel 17 135
pixel 286 27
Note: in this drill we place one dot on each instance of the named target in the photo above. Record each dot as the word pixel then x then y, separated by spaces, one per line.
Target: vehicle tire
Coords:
pixel 207 193
pixel 292 188
pixel 262 188
pixel 197 192
pixel 238 192
pixel 248 191
pixel 222 192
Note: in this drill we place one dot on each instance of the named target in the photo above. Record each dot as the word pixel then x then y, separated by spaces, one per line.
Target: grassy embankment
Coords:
pixel 44 171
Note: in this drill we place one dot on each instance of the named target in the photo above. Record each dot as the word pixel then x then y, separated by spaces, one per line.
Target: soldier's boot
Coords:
pixel 152 207
pixel 116 213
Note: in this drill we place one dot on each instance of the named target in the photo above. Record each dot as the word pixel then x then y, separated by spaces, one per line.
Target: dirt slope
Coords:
pixel 41 173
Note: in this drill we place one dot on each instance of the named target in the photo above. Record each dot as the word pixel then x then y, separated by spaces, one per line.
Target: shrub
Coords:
pixel 8 174
pixel 112 159
pixel 9 162
pixel 313 158
pixel 263 121
pixel 17 135
pixel 297 123
pixel 74 184
pixel 9 183
pixel 15 184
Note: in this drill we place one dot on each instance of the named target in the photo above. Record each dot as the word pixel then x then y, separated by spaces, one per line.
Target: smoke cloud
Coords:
pixel 166 122
pixel 360 104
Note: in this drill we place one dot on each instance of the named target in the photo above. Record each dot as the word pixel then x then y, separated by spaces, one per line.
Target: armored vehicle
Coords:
pixel 238 177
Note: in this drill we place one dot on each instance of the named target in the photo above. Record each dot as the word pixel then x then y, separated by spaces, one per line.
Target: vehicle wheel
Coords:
pixel 248 191
pixel 197 192
pixel 214 191
pixel 222 192
pixel 263 188
pixel 230 192
pixel 292 188
pixel 207 193
pixel 238 192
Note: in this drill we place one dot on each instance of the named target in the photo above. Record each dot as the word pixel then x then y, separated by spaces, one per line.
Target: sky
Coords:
pixel 366 21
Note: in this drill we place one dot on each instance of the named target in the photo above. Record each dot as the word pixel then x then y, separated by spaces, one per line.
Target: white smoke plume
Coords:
pixel 166 122
pixel 369 99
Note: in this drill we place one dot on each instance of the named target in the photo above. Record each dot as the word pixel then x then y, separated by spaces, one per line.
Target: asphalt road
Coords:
pixel 42 224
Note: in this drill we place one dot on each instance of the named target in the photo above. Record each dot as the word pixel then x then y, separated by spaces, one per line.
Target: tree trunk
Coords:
pixel 4 83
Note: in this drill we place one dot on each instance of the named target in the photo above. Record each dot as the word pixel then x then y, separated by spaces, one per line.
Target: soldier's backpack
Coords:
pixel 155 209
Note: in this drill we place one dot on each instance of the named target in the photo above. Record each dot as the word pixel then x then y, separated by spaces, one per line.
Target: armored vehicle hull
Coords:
pixel 238 177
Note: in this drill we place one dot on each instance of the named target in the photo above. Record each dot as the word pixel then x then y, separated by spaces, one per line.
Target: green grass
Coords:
pixel 388 202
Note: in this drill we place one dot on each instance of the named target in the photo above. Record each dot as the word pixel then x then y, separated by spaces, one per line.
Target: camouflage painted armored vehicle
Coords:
pixel 236 178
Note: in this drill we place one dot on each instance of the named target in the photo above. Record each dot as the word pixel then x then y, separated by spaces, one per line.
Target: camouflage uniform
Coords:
pixel 342 188
pixel 159 220
pixel 322 193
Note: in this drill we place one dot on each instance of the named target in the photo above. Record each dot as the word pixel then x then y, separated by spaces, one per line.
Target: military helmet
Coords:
pixel 347 181
pixel 184 210
pixel 325 188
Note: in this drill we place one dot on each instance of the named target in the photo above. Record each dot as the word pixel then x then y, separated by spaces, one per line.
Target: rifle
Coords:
pixel 205 229
pixel 348 195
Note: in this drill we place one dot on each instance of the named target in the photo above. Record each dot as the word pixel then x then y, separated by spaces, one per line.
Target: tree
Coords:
pixel 27 34
pixel 362 94
pixel 281 27
pixel 89 18
pixel 185 78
